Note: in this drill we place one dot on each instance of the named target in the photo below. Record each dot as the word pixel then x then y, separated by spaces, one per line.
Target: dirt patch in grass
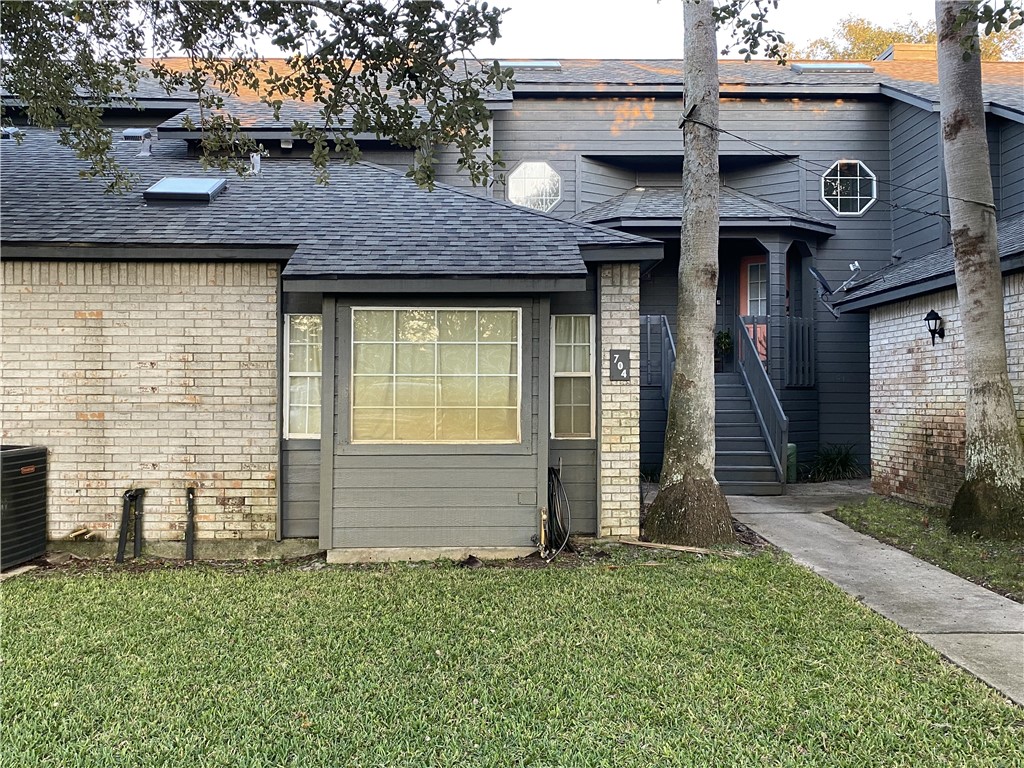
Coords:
pixel 582 552
pixel 922 531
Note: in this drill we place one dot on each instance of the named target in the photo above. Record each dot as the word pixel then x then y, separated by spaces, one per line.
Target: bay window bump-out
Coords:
pixel 444 375
pixel 303 365
pixel 572 376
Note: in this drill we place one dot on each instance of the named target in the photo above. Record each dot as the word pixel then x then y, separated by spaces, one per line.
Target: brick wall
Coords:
pixel 619 404
pixel 146 374
pixel 918 394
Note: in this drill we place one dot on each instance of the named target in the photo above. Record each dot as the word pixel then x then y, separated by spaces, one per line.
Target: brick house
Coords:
pixel 378 375
pixel 919 388
pixel 369 366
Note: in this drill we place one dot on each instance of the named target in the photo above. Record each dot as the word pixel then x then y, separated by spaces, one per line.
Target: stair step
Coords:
pixel 742 488
pixel 743 459
pixel 749 429
pixel 746 474
pixel 730 402
pixel 730 416
pixel 731 390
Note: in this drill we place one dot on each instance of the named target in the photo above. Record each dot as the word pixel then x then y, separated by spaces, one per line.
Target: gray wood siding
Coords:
pixel 917 165
pixel 443 495
pixel 1011 164
pixel 300 459
pixel 578 457
pixel 777 181
pixel 300 490
pixel 599 181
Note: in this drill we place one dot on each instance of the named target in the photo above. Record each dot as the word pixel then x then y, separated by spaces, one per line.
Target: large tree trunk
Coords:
pixel 990 500
pixel 690 507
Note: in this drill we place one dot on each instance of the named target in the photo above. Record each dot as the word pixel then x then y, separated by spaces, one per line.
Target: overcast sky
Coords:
pixel 648 29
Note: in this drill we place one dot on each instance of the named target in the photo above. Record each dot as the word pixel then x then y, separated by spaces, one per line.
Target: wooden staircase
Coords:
pixel 743 464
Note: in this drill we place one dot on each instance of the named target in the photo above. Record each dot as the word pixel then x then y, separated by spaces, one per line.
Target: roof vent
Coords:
pixel 136 134
pixel 10 132
pixel 830 67
pixel 533 65
pixel 200 190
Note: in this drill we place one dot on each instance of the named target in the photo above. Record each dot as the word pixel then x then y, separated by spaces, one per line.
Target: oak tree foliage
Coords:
pixel 400 71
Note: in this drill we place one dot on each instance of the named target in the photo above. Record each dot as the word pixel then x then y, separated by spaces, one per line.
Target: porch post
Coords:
pixel 618 415
pixel 776 312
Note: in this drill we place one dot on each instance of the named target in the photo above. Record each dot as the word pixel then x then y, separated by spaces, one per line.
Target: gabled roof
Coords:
pixel 369 222
pixel 649 206
pixel 933 271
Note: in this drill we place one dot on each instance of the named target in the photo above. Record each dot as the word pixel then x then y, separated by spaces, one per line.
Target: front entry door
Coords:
pixel 754 300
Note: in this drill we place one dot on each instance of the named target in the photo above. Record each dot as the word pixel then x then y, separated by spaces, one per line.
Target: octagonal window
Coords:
pixel 849 188
pixel 535 185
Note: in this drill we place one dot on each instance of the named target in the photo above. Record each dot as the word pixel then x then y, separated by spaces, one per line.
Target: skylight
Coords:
pixel 830 66
pixel 203 190
pixel 10 132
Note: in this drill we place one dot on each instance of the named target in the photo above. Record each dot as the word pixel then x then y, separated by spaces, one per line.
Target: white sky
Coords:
pixel 648 29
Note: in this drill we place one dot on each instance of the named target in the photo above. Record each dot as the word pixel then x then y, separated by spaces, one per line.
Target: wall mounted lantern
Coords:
pixel 934 320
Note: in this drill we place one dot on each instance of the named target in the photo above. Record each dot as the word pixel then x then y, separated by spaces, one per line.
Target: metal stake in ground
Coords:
pixel 137 543
pixel 122 536
pixel 190 525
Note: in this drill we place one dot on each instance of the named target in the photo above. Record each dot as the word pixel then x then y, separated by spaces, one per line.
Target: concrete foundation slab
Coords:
pixel 415 554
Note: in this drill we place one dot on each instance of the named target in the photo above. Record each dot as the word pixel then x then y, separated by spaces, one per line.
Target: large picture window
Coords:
pixel 303 364
pixel 572 371
pixel 435 375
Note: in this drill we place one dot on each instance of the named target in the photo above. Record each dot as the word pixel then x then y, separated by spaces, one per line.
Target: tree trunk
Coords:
pixel 690 507
pixel 989 502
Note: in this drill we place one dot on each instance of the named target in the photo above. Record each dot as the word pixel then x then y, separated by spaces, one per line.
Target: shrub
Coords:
pixel 834 462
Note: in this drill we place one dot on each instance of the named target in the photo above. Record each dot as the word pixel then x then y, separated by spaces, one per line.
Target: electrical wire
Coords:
pixel 814 168
pixel 557 529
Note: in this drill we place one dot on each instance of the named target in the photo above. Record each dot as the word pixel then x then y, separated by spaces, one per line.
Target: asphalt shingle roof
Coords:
pixel 369 222
pixel 667 203
pixel 1002 79
pixel 935 265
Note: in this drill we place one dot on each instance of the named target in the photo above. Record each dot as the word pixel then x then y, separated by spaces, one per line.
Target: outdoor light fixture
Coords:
pixel 934 320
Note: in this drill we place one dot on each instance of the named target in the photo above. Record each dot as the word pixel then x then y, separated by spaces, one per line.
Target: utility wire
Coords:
pixel 805 165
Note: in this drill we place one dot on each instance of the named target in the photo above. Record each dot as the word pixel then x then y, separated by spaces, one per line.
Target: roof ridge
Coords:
pixel 627 237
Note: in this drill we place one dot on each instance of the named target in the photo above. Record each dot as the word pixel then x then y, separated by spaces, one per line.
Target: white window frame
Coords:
pixel 869 174
pixel 763 267
pixel 519 373
pixel 561 185
pixel 575 375
pixel 286 432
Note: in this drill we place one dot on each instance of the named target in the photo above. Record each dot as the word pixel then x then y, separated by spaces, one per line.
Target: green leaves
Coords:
pixel 398 72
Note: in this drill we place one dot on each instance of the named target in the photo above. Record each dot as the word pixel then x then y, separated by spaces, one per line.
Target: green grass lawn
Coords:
pixel 703 662
pixel 998 565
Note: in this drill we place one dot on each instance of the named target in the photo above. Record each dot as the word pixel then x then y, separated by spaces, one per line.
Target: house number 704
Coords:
pixel 619 365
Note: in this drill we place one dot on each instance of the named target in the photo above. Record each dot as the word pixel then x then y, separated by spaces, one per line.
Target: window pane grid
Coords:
pixel 572 376
pixel 459 381
pixel 304 362
pixel 849 187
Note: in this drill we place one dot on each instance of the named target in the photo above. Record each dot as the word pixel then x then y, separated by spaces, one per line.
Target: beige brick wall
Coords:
pixel 146 374
pixel 918 394
pixel 619 404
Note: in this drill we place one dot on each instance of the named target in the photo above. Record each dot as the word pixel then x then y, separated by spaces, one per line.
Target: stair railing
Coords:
pixel 767 408
pixel 668 359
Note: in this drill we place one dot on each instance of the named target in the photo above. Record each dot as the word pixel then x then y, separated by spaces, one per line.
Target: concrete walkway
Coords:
pixel 977 629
